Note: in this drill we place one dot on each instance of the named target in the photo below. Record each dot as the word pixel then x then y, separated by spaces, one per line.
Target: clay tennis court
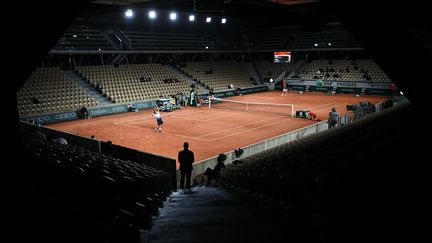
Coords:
pixel 211 131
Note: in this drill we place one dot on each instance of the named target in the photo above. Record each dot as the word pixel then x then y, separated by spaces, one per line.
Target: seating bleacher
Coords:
pixel 92 197
pixel 134 82
pixel 79 37
pixel 302 186
pixel 223 74
pixel 49 90
pixel 347 70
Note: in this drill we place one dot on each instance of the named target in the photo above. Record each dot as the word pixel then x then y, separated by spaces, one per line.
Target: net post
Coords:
pixel 209 101
pixel 292 110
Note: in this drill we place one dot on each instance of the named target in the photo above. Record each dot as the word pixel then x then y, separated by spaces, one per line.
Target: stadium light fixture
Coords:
pixel 191 17
pixel 129 13
pixel 316 44
pixel 208 19
pixel 329 44
pixel 223 20
pixel 271 80
pixel 173 16
pixel 206 47
pixel 152 14
pixel 74 36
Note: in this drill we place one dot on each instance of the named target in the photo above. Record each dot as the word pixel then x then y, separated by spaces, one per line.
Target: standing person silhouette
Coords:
pixel 185 158
pixel 333 118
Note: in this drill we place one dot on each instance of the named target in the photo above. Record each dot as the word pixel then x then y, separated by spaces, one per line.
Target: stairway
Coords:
pixel 206 214
pixel 190 80
pixel 90 91
pixel 298 70
pixel 253 72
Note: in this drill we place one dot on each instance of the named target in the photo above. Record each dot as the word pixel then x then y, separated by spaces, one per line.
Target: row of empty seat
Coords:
pixel 272 70
pixel 91 197
pixel 135 82
pixel 365 70
pixel 325 187
pixel 219 75
pixel 49 90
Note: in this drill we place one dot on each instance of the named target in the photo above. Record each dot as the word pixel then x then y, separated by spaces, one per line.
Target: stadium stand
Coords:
pixel 83 37
pixel 93 195
pixel 317 195
pixel 49 90
pixel 273 70
pixel 126 83
pixel 332 36
pixel 345 70
pixel 221 76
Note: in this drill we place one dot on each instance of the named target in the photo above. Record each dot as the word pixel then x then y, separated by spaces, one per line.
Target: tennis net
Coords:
pixel 278 109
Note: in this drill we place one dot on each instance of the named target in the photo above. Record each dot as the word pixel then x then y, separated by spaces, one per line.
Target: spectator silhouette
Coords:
pixel 60 140
pixel 38 136
pixel 238 152
pixel 108 149
pixel 214 173
pixel 186 159
pixel 333 118
pixel 83 112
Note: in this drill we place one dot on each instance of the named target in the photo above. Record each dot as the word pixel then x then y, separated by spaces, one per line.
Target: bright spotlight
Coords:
pixel 191 17
pixel 173 16
pixel 223 21
pixel 152 14
pixel 400 92
pixel 271 80
pixel 129 13
pixel 208 19
pixel 329 44
pixel 316 44
pixel 206 47
pixel 74 36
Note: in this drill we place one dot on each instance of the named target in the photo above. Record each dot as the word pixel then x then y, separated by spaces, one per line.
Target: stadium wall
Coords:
pixel 346 87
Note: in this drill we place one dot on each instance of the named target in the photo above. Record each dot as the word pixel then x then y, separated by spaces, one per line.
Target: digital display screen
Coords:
pixel 282 56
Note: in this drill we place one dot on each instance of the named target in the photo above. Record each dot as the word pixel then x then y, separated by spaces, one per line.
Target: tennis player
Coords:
pixel 159 120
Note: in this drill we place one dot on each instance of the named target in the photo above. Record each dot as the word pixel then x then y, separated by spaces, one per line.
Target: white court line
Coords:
pixel 232 134
pixel 314 107
pixel 132 120
pixel 212 140
pixel 144 117
pixel 175 134
pixel 269 124
pixel 323 105
pixel 219 131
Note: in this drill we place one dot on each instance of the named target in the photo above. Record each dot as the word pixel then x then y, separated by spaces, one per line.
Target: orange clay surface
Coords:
pixel 210 131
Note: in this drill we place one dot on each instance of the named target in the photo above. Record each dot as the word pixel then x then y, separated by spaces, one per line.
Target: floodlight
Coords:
pixel 129 13
pixel 152 14
pixel 173 16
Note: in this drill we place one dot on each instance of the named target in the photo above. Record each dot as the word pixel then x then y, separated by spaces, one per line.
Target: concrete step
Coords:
pixel 206 214
pixel 90 90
